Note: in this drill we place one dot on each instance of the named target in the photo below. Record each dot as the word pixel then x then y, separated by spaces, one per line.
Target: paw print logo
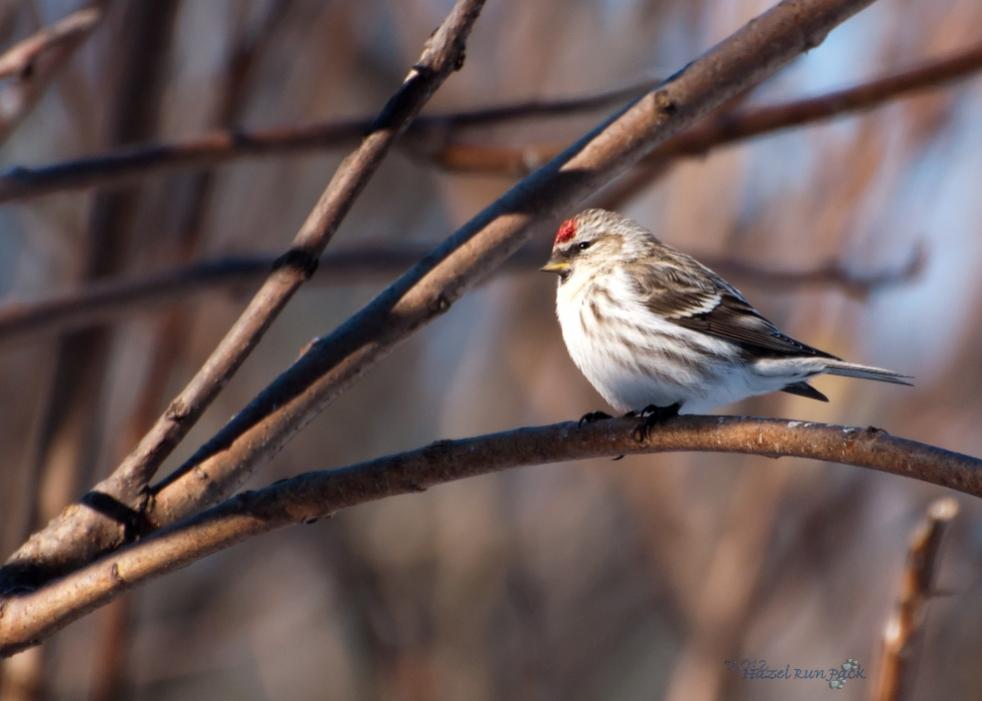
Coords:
pixel 850 668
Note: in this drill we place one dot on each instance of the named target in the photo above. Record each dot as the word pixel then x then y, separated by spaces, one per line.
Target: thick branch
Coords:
pixel 917 587
pixel 332 363
pixel 32 64
pixel 114 299
pixel 32 616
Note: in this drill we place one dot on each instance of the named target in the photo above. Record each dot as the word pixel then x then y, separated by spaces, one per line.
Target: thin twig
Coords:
pixel 112 300
pixel 443 54
pixel 32 64
pixel 30 616
pixel 917 588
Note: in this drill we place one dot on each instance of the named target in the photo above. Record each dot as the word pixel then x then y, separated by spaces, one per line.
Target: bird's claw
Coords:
pixel 592 417
pixel 650 417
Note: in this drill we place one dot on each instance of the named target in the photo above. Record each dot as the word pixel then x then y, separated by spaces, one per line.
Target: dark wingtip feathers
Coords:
pixel 803 389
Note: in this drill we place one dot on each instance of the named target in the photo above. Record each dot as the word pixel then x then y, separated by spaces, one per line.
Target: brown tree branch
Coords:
pixel 33 63
pixel 443 54
pixel 333 362
pixel 731 127
pixel 428 132
pixel 112 300
pixel 917 588
pixel 28 617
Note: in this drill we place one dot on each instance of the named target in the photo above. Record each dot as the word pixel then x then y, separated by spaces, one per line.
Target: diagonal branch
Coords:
pixel 28 617
pixel 334 362
pixel 33 63
pixel 112 300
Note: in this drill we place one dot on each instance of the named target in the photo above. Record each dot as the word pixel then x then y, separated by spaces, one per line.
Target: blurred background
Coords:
pixel 636 579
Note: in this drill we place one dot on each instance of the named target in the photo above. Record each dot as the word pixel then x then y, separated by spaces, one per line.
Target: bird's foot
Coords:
pixel 629 415
pixel 651 416
pixel 593 417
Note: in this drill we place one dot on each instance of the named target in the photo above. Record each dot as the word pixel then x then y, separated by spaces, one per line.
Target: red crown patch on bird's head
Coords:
pixel 567 230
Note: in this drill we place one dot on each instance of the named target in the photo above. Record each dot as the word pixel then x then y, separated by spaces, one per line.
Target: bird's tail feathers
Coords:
pixel 867 372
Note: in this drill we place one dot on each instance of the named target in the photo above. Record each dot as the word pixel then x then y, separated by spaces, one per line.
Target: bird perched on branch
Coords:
pixel 657 332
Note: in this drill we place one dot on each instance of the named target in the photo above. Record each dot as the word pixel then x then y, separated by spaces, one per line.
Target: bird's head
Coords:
pixel 595 241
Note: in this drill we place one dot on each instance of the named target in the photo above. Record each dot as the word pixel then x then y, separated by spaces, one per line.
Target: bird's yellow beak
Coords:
pixel 555 266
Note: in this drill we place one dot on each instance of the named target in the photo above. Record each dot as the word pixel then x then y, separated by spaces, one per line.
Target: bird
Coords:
pixel 658 333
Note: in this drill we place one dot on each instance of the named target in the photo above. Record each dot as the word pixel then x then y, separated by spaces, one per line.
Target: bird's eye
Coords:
pixel 584 245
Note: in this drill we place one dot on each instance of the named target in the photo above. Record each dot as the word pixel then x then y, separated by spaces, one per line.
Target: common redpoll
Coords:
pixel 652 328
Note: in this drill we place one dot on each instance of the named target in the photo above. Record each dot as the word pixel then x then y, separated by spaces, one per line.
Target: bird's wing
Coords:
pixel 696 298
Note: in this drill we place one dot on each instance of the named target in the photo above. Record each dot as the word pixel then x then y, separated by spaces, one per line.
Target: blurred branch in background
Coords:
pixel 721 606
pixel 30 616
pixel 72 423
pixel 111 300
pixel 900 638
pixel 70 434
pixel 111 663
pixel 31 65
pixel 432 135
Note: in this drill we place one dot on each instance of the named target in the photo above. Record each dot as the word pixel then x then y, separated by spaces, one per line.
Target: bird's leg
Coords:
pixel 651 416
pixel 593 417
